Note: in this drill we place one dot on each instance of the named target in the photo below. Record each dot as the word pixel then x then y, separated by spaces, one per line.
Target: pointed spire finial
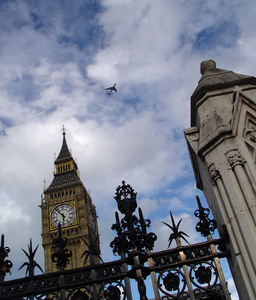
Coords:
pixel 64 130
pixel 64 152
pixel 176 234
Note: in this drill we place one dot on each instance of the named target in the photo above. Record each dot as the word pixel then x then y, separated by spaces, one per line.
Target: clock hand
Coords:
pixel 63 215
pixel 58 210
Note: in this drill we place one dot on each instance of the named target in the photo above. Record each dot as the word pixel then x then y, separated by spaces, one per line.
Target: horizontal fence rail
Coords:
pixel 110 272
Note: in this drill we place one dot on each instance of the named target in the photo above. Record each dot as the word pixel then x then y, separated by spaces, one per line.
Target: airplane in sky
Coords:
pixel 111 89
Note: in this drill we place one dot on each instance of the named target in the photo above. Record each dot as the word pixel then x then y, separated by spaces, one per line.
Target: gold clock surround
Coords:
pixel 64 214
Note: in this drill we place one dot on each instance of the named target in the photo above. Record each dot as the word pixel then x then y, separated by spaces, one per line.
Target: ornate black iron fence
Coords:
pixel 185 272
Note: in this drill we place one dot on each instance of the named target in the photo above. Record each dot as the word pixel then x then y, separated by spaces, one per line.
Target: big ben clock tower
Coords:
pixel 67 202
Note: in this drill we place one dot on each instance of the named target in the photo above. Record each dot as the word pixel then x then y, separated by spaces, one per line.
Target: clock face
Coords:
pixel 63 214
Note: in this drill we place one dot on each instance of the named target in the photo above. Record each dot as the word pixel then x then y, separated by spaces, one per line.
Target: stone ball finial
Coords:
pixel 207 65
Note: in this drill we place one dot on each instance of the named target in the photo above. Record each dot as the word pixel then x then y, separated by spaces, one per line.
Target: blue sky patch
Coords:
pixel 5 123
pixel 224 35
pixel 23 88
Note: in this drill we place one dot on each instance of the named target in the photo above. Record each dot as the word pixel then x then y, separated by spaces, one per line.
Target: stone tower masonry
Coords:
pixel 222 147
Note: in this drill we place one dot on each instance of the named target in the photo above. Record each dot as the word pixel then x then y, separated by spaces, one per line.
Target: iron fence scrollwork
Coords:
pixel 184 272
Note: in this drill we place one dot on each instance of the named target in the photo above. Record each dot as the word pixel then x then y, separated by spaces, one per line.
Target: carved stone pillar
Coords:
pixel 237 162
pixel 222 148
pixel 232 224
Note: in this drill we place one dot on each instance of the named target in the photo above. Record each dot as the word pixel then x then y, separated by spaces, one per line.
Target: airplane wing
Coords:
pixel 112 88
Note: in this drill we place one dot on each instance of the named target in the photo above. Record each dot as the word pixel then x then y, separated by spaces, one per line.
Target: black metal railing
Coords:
pixel 184 272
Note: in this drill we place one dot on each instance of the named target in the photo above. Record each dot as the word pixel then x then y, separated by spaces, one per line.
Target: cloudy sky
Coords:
pixel 56 58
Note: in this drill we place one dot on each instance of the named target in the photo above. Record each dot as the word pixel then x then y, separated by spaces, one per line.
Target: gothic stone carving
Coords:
pixel 234 158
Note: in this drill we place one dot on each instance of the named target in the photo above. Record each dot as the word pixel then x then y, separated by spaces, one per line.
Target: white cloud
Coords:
pixel 56 58
pixel 151 28
pixel 149 207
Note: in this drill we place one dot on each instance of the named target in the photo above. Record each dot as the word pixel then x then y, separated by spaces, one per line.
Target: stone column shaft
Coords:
pixel 237 240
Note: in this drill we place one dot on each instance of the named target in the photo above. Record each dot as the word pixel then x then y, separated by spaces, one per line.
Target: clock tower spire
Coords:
pixel 67 202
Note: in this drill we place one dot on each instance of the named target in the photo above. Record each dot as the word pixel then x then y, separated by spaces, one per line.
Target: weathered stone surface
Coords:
pixel 215 117
pixel 214 79
pixel 222 146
